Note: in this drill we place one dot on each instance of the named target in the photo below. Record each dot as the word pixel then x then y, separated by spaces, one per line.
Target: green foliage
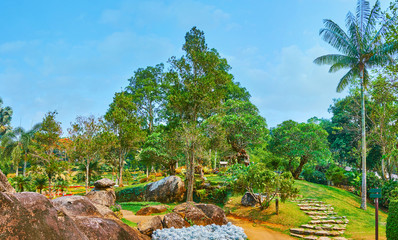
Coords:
pixel 21 183
pixel 389 191
pixel 314 176
pixel 299 143
pixel 268 184
pixel 40 182
pixel 130 194
pixel 392 221
pixel 5 118
pixel 337 175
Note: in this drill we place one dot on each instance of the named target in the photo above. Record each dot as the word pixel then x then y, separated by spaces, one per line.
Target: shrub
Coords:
pixel 336 175
pixel 389 192
pixel 314 176
pixel 130 194
pixel 206 170
pixel 392 221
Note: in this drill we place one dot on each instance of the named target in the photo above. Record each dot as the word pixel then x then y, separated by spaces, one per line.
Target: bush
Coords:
pixel 392 221
pixel 314 176
pixel 336 175
pixel 389 192
pixel 206 170
pixel 130 194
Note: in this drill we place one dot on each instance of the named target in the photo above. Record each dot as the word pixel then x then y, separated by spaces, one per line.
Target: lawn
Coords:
pixel 361 225
pixel 136 206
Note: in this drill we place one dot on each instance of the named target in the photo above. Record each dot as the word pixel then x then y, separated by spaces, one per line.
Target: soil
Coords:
pixel 258 232
pixel 252 231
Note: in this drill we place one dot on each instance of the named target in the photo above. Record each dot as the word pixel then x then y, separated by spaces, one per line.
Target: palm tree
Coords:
pixel 5 118
pixel 362 47
pixel 16 145
pixel 24 141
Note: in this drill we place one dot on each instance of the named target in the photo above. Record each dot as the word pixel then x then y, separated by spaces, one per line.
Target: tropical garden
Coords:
pixel 189 116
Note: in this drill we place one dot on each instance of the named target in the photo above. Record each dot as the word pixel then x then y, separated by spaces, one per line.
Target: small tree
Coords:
pixel 266 185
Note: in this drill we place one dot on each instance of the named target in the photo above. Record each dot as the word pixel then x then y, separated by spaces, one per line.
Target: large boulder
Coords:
pixel 107 229
pixel 76 206
pixel 5 186
pixel 103 193
pixel 174 220
pixel 201 214
pixel 149 226
pixel 32 216
pixel 248 200
pixel 169 189
pixel 152 209
pixel 215 213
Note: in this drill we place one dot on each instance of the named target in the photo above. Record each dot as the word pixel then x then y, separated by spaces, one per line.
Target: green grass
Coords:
pixel 130 223
pixel 136 206
pixel 362 223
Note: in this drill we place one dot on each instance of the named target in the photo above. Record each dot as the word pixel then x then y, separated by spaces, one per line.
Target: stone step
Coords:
pixel 324 213
pixel 330 221
pixel 317 208
pixel 314 205
pixel 327 227
pixel 329 217
pixel 312 237
pixel 303 231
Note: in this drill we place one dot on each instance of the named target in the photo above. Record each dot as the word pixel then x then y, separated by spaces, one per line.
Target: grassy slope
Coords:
pixel 362 223
pixel 136 206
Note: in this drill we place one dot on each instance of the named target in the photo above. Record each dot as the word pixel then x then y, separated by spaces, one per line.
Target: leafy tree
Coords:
pixel 299 143
pixel 40 182
pixel 146 90
pixel 84 135
pixel 45 149
pixel 198 80
pixel 244 126
pixel 5 118
pixel 265 185
pixel 21 182
pixel 125 125
pixel 362 47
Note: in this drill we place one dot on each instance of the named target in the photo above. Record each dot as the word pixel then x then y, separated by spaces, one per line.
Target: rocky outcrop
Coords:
pixel 201 214
pixel 169 189
pixel 5 186
pixel 103 193
pixel 152 209
pixel 32 216
pixel 149 226
pixel 174 220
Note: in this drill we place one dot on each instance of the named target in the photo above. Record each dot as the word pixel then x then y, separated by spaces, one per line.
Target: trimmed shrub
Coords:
pixel 314 176
pixel 392 221
pixel 133 194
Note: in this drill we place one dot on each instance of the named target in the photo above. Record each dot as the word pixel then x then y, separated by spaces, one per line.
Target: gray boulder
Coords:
pixel 104 183
pixel 169 189
pixel 248 200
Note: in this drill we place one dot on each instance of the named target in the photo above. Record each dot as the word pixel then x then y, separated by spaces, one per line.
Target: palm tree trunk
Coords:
pixel 363 194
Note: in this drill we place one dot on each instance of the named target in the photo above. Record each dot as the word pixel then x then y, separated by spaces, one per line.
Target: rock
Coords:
pixel 169 189
pixel 76 206
pixel 248 200
pixel 31 216
pixel 106 197
pixel 104 183
pixel 152 209
pixel 174 220
pixel 106 212
pixel 147 227
pixel 5 186
pixel 215 213
pixel 104 229
pixel 192 214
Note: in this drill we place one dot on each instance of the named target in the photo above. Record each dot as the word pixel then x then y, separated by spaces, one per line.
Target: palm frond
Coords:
pixel 372 19
pixel 362 14
pixel 347 79
pixel 331 59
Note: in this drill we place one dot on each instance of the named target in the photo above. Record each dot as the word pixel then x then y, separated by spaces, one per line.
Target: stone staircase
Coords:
pixel 325 223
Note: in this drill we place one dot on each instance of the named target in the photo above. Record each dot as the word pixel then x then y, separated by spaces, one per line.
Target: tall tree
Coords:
pixel 362 47
pixel 46 149
pixel 86 145
pixel 198 80
pixel 25 140
pixel 125 124
pixel 145 88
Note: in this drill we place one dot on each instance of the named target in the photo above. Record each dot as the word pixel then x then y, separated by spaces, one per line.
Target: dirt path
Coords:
pixel 258 232
pixel 135 218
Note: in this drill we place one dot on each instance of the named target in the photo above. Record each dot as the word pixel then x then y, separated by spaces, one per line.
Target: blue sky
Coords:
pixel 72 56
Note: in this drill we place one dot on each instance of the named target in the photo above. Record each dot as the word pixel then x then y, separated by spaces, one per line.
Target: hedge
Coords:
pixel 392 221
pixel 133 194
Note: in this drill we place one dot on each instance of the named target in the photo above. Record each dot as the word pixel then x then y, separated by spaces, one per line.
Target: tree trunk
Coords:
pixel 303 161
pixel 120 171
pixel 50 193
pixel 383 163
pixel 277 205
pixel 147 172
pixel 24 165
pixel 363 194
pixel 191 174
pixel 87 172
